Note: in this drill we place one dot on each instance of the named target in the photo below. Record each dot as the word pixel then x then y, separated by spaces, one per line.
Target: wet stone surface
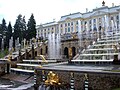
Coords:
pixel 6 84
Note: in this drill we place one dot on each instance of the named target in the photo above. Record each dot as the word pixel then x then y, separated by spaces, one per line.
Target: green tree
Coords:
pixel 9 33
pixel 31 28
pixel 19 28
pixel 4 31
pixel 24 27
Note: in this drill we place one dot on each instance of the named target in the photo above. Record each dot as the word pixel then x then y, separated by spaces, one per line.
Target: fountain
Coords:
pixel 54 46
pixel 2 44
pixel 17 44
pixel 10 44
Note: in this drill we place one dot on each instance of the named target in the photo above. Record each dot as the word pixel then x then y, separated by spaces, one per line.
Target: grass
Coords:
pixel 3 53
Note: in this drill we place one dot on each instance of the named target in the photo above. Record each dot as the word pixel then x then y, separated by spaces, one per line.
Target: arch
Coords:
pixel 41 51
pixel 73 51
pixel 66 52
pixel 35 53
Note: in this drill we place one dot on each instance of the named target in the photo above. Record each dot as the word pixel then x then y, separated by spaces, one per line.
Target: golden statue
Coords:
pixel 70 52
pixel 43 58
pixel 52 79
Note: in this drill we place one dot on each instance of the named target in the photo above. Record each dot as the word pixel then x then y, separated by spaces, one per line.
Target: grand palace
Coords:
pixel 79 30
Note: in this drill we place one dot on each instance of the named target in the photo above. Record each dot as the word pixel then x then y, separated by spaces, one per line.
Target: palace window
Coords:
pixel 72 29
pixel 90 22
pixel 76 22
pixel 117 17
pixel 61 25
pixel 65 24
pixel 68 29
pixel 68 24
pixel 111 18
pixel 71 23
pixel 76 28
pixel 65 29
pixel 99 19
pixel 94 20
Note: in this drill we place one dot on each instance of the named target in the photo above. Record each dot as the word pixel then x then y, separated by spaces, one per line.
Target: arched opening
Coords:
pixel 73 51
pixel 41 51
pixel 66 52
pixel 29 55
pixel 35 53
pixel 46 50
pixel 100 31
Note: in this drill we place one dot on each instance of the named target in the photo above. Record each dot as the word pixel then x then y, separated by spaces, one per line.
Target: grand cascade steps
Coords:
pixel 28 68
pixel 102 50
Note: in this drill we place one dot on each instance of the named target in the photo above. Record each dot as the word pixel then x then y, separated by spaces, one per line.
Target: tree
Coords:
pixel 19 28
pixel 24 27
pixel 31 31
pixel 4 31
pixel 9 34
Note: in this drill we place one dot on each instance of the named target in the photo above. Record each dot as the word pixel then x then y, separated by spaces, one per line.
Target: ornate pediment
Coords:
pixel 98 13
pixel 68 19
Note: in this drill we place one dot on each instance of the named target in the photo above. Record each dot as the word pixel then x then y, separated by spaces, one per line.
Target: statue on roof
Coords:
pixel 103 3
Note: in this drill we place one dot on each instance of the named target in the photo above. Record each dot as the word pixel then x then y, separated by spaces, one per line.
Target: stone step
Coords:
pixel 21 70
pixel 92 60
pixel 28 65
pixel 98 45
pixel 100 49
pixel 39 61
pixel 100 54
pixel 104 41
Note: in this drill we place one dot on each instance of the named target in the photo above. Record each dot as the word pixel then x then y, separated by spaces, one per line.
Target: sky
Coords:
pixel 47 10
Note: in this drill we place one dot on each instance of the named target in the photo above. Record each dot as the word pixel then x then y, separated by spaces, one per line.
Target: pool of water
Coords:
pixel 6 84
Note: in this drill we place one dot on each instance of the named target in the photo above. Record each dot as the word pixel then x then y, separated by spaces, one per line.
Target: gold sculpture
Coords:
pixel 86 76
pixel 70 52
pixel 43 58
pixel 52 79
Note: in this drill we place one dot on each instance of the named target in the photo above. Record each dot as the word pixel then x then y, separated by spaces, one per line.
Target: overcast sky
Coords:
pixel 46 10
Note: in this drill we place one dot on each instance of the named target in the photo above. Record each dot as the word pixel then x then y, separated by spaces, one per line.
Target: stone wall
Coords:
pixel 2 69
pixel 96 81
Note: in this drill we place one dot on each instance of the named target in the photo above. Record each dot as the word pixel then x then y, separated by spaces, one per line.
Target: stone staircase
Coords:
pixel 103 50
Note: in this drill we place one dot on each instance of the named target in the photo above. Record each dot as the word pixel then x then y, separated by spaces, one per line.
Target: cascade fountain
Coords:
pixel 17 44
pixel 54 46
pixel 10 44
pixel 2 44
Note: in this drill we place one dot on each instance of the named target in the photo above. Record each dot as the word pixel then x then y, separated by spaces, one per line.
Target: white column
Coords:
pixel 79 26
pixel 59 29
pixel 43 33
pixel 88 26
pixel 97 24
pixel 64 28
pixel 115 23
pixel 83 24
pixel 103 22
pixel 92 25
pixel 107 22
